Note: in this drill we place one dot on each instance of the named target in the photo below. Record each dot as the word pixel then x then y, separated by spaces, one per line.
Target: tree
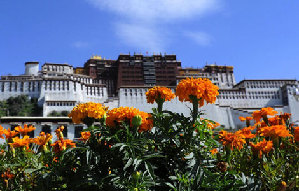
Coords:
pixel 3 108
pixel 22 106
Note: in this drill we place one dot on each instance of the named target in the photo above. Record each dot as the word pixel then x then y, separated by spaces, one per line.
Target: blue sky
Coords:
pixel 259 38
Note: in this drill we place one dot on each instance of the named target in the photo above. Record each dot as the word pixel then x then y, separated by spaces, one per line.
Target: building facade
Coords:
pixel 124 82
pixel 56 87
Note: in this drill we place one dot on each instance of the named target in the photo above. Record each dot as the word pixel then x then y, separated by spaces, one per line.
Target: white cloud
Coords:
pixel 80 44
pixel 143 23
pixel 140 36
pixel 200 38
pixel 150 10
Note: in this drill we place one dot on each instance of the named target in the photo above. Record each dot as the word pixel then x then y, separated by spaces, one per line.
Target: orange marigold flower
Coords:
pixel 275 131
pixel 62 144
pixel 25 130
pixel 296 134
pixel 85 136
pixel 261 147
pixel 1 132
pixel 55 159
pixel 257 115
pixel 17 142
pixel 232 140
pixel 59 132
pixel 210 124
pixel 274 120
pixel 122 114
pixel 268 111
pixel 157 92
pixel 90 109
pixel 246 132
pixel 284 117
pixel 10 134
pixel 42 139
pixel 202 89
pixel 7 174
pixel 245 118
pixel 214 151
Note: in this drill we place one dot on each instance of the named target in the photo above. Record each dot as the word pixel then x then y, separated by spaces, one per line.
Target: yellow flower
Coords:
pixel 62 144
pixel 261 147
pixel 85 136
pixel 122 114
pixel 9 134
pixel 202 89
pixel 59 132
pixel 42 139
pixel 25 130
pixel 157 92
pixel 17 142
pixel 90 109
pixel 1 132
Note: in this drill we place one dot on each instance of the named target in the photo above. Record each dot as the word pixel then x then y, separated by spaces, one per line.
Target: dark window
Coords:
pixel 12 128
pixel 78 130
pixel 31 134
pixel 46 129
pixel 10 84
pixel 16 86
pixel 65 131
pixel 2 88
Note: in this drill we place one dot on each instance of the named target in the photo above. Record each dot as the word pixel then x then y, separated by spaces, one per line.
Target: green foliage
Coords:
pixel 3 108
pixel 20 106
pixel 58 114
pixel 174 156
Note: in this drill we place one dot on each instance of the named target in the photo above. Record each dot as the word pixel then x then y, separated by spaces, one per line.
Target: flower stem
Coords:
pixel 195 108
pixel 160 102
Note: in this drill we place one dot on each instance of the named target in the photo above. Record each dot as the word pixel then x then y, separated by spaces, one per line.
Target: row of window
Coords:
pixel 95 91
pixel 57 85
pixel 61 103
pixel 250 97
pixel 48 129
pixel 21 86
pixel 267 84
pixel 55 68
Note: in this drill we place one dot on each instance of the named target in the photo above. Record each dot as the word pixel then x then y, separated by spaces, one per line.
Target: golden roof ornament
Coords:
pixel 96 57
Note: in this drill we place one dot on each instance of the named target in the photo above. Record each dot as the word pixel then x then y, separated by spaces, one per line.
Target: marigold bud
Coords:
pixel 136 120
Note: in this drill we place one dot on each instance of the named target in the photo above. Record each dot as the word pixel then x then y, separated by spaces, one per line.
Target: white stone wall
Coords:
pixel 38 125
pixel 293 101
pixel 224 112
pixel 135 97
pixel 13 88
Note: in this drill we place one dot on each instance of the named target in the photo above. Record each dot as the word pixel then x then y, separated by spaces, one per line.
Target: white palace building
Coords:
pixel 59 88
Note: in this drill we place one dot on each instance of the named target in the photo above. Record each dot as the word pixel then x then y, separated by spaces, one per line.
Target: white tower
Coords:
pixel 31 68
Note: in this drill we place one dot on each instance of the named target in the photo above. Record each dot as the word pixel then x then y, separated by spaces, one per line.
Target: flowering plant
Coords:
pixel 159 95
pixel 134 150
